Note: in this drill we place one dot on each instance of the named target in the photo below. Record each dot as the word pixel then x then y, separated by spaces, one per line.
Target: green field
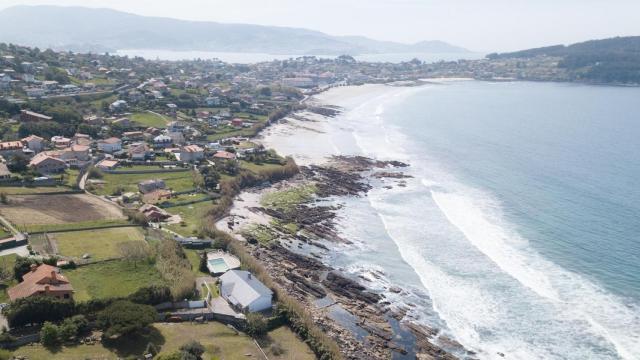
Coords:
pixel 111 279
pixel 191 214
pixel 177 181
pixel 257 168
pixel 37 228
pixel 148 119
pixel 100 244
pixel 219 341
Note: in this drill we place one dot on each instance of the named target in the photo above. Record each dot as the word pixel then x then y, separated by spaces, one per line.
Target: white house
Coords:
pixel 243 291
pixel 191 153
pixel 110 145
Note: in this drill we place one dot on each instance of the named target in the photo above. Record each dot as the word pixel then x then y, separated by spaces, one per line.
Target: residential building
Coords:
pixel 222 156
pixel 244 292
pixel 34 142
pixel 237 123
pixel 43 280
pixel 10 148
pixel 110 145
pixel 176 126
pixel 47 164
pixel 118 106
pixel 107 164
pixel 27 116
pixel 139 152
pixel 153 213
pixel 60 142
pixel 191 153
pixel 162 141
pixel 133 135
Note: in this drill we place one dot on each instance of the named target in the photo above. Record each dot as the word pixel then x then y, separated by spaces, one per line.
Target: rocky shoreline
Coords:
pixel 296 267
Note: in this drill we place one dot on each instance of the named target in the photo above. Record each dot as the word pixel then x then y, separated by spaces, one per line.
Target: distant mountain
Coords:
pixel 89 29
pixel 614 60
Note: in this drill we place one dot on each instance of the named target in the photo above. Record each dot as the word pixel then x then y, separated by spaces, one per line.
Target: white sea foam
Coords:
pixel 493 291
pixel 465 303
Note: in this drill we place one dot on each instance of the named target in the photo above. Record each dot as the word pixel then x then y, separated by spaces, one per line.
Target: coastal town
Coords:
pixel 122 233
pixel 117 178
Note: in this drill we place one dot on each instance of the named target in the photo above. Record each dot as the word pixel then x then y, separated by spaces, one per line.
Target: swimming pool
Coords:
pixel 218 265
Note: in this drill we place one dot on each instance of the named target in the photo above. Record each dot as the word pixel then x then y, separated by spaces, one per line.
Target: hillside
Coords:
pixel 89 29
pixel 615 60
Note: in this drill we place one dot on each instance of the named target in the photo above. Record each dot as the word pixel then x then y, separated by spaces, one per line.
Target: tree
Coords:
pixel 67 330
pixel 124 317
pixel 81 323
pixel 38 309
pixel 192 350
pixel 19 163
pixel 203 263
pixel 49 335
pixel 134 251
pixel 256 325
pixel 22 266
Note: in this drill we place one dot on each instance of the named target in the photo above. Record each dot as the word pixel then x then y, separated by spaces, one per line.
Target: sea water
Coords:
pixel 519 233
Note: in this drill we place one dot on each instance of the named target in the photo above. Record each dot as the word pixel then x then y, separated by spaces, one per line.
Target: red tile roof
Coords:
pixel 40 280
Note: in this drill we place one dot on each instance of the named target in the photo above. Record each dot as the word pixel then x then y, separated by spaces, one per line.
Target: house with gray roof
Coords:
pixel 243 291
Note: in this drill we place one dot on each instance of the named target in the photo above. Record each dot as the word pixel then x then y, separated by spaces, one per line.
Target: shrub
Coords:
pixel 124 317
pixel 67 330
pixel 277 349
pixel 49 335
pixel 256 325
pixel 38 309
pixel 192 348
pixel 151 295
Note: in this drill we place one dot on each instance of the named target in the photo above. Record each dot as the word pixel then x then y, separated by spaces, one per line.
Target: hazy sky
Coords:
pixel 483 25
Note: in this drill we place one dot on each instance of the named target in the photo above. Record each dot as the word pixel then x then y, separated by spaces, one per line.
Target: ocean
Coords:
pixel 519 233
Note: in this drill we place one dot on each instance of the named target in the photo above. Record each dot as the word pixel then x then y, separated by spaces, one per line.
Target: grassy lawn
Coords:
pixel 220 342
pixel 100 244
pixel 257 168
pixel 149 119
pixel 73 225
pixel 191 214
pixel 194 259
pixel 71 175
pixel 177 181
pixel 111 279
pixel 294 349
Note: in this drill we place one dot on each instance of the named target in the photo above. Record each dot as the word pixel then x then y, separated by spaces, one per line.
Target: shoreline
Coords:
pixel 360 319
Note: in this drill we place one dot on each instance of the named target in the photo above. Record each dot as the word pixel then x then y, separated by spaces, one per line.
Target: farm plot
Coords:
pixel 36 212
pixel 98 244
